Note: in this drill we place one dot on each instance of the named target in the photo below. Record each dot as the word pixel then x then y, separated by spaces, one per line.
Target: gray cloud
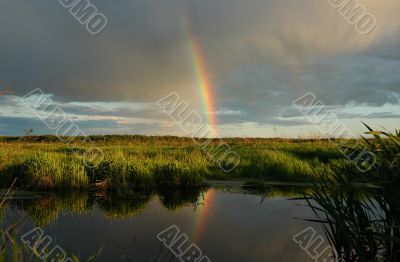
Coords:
pixel 144 47
pixel 261 54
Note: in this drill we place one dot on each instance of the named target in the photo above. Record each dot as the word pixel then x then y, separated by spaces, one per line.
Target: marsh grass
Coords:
pixel 386 147
pixel 359 225
pixel 139 162
pixel 363 226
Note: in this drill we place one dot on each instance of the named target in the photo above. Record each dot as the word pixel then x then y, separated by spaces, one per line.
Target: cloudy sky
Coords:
pixel 260 56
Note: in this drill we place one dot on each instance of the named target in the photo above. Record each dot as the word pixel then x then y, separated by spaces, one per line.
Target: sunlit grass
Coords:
pixel 138 162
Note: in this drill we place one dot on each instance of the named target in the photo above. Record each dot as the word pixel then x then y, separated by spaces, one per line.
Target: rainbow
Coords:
pixel 205 87
pixel 201 215
pixel 202 77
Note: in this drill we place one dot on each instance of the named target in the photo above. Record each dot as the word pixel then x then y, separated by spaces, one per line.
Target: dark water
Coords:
pixel 226 226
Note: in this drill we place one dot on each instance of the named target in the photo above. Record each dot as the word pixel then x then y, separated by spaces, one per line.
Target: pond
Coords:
pixel 225 225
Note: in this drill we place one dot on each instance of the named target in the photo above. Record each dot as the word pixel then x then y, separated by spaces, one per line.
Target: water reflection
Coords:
pixel 120 208
pixel 227 226
pixel 44 210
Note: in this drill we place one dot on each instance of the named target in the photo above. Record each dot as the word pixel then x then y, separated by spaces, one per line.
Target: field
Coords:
pixel 140 162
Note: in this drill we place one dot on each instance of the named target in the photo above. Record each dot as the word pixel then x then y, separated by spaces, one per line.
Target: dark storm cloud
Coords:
pixel 139 52
pixel 143 48
pixel 263 91
pixel 261 54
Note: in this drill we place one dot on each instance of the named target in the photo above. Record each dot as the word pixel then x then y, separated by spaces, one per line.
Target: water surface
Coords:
pixel 227 226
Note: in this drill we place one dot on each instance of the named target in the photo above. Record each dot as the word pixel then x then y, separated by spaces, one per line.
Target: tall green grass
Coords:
pixel 386 147
pixel 363 226
pixel 360 225
pixel 138 162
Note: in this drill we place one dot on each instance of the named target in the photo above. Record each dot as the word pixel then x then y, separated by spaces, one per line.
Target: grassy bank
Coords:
pixel 140 162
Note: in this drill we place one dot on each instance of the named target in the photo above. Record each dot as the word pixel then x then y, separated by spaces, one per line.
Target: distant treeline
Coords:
pixel 144 139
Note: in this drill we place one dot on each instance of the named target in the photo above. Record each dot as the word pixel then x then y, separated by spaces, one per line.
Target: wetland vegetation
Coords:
pixel 357 212
pixel 140 162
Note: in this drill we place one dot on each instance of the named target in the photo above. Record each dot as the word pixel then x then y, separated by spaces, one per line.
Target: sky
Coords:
pixel 239 64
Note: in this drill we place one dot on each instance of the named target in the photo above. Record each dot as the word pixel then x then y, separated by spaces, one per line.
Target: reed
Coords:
pixel 140 162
